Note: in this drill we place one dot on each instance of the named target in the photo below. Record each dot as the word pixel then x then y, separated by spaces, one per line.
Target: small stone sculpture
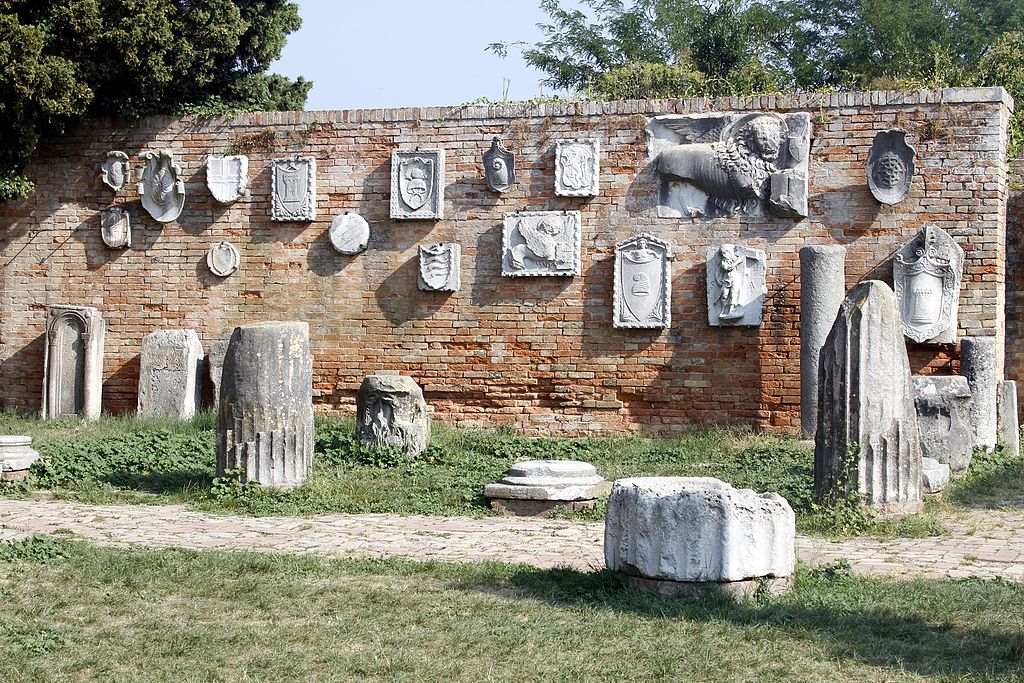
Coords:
pixel 943 407
pixel 867 437
pixel 934 475
pixel 890 166
pixel 223 259
pixel 265 415
pixel 73 362
pixel 116 227
pixel 541 243
pixel 417 184
pixel 349 234
pixel 162 187
pixel 391 411
pixel 577 168
pixel 672 534
pixel 16 457
pixel 643 283
pixel 726 164
pixel 293 195
pixel 926 275
pixel 1008 422
pixel 536 487
pixel 822 288
pixel 116 171
pixel 978 365
pixel 169 372
pixel 736 285
pixel 499 167
pixel 440 267
pixel 227 177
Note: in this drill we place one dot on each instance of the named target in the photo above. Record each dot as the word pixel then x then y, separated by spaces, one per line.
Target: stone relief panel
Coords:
pixel 736 285
pixel 440 267
pixel 227 177
pixel 116 227
pixel 890 166
pixel 293 192
pixel 541 243
pixel 161 187
pixel 499 167
pixel 223 259
pixel 643 283
pixel 349 234
pixel 417 184
pixel 926 274
pixel 728 164
pixel 577 168
pixel 116 171
pixel 73 362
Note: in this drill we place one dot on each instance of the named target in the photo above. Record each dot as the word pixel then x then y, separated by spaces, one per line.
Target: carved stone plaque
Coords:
pixel 117 172
pixel 541 243
pixel 73 369
pixel 577 168
pixel 440 267
pixel 227 177
pixel 736 285
pixel 349 233
pixel 926 275
pixel 417 184
pixel 643 282
pixel 161 186
pixel 713 165
pixel 223 259
pixel 115 227
pixel 294 189
pixel 890 166
pixel 499 167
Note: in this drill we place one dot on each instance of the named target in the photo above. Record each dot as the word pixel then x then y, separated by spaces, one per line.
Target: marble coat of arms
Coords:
pixel 294 189
pixel 926 274
pixel 643 283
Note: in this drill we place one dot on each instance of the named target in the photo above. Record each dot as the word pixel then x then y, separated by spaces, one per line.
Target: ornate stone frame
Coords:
pixel 572 220
pixel 434 208
pixel 93 335
pixel 619 320
pixel 307 212
pixel 595 148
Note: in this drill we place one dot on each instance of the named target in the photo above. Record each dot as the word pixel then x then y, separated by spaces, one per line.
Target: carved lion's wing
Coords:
pixel 536 241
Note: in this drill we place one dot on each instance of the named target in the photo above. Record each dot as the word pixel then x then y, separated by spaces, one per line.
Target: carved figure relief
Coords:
pixel 736 285
pixel 715 165
pixel 294 189
pixel 161 187
pixel 391 411
pixel 117 172
pixel 73 362
pixel 227 177
pixel 349 233
pixel 890 166
pixel 440 267
pixel 499 167
pixel 115 227
pixel 417 184
pixel 577 168
pixel 926 274
pixel 223 259
pixel 541 243
pixel 643 283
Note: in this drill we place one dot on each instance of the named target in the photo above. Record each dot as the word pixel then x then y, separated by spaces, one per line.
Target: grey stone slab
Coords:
pixel 116 227
pixel 736 285
pixel 927 273
pixel 417 184
pixel 944 419
pixel 73 362
pixel 170 368
pixel 934 475
pixel 541 243
pixel 162 186
pixel 1008 421
pixel 978 365
pixel 822 289
pixel 577 168
pixel 293 189
pixel 391 411
pixel 440 267
pixel 556 480
pixel 642 286
pixel 890 166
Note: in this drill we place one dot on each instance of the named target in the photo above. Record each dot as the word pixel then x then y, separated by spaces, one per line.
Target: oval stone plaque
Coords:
pixel 349 233
pixel 223 259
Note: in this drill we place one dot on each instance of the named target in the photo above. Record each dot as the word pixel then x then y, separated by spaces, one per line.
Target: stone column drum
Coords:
pixel 169 372
pixel 16 457
pixel 822 288
pixel 867 437
pixel 978 365
pixel 265 418
pixel 73 362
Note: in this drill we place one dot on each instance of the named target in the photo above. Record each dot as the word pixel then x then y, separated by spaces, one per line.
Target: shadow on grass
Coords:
pixel 174 481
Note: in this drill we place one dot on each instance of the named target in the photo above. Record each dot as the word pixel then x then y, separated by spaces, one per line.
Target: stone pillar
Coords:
pixel 169 372
pixel 822 287
pixel 265 417
pixel 73 362
pixel 866 407
pixel 1009 423
pixel 978 365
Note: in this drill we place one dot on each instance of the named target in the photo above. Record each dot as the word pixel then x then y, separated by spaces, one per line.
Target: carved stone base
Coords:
pixel 736 590
pixel 14 475
pixel 518 507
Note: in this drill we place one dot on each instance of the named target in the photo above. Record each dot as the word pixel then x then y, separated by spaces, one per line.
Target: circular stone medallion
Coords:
pixel 349 233
pixel 223 259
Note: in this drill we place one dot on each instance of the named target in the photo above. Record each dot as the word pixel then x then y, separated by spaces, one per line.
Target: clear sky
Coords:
pixel 400 53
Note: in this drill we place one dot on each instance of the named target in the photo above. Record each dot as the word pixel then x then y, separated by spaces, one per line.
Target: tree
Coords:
pixel 64 60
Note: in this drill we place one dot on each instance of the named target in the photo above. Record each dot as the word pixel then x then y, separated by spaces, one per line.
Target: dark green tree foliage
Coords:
pixel 63 60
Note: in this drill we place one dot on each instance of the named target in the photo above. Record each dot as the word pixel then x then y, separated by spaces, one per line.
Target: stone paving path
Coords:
pixel 985 544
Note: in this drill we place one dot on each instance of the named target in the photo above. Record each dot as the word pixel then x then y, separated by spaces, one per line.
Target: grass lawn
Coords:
pixel 70 611
pixel 144 461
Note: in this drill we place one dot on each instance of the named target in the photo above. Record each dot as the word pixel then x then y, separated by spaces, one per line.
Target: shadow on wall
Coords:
pixel 24 368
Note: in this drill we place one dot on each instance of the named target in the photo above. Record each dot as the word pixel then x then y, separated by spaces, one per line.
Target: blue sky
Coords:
pixel 398 53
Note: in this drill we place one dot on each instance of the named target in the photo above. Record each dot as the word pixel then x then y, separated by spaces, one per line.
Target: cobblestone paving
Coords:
pixel 982 543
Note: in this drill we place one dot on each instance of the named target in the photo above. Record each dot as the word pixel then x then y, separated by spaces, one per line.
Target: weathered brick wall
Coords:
pixel 1015 278
pixel 539 353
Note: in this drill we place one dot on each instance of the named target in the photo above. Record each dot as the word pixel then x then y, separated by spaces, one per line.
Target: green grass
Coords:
pixel 74 612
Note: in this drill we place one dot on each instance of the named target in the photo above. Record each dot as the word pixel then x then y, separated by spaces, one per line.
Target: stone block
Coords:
pixel 536 486
pixel 934 475
pixel 978 365
pixel 169 370
pixel 391 411
pixel 1008 422
pixel 73 362
pixel 16 457
pixel 943 407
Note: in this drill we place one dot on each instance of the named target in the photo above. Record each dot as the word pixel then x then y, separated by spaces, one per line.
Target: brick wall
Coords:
pixel 539 353
pixel 1015 278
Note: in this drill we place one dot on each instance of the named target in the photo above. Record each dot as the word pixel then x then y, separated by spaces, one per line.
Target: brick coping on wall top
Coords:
pixel 781 102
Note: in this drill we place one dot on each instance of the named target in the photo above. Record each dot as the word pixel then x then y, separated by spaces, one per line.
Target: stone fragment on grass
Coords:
pixel 391 411
pixel 169 372
pixel 934 475
pixel 535 487
pixel 16 457
pixel 943 407
pixel 1009 423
